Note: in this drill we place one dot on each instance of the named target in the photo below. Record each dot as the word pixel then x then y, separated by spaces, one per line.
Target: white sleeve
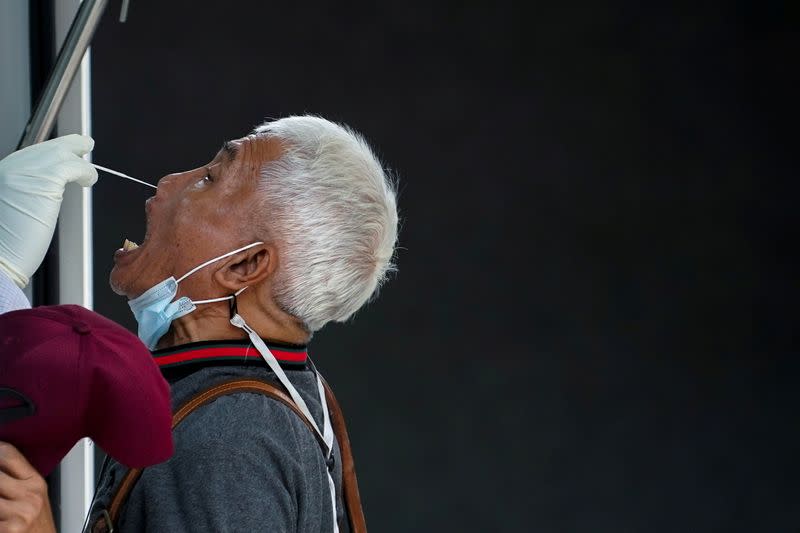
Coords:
pixel 11 297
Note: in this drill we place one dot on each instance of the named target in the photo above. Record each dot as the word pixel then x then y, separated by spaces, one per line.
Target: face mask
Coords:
pixel 155 310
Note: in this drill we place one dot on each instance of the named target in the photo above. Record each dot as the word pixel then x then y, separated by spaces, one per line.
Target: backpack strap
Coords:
pixel 351 496
pixel 105 523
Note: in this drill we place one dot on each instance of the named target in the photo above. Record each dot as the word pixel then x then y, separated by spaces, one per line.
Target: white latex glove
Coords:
pixel 32 183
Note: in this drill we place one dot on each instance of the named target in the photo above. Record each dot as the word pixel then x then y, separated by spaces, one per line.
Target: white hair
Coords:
pixel 334 213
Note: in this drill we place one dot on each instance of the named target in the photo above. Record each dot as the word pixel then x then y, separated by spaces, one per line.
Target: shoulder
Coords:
pixel 251 417
pixel 241 451
pixel 243 462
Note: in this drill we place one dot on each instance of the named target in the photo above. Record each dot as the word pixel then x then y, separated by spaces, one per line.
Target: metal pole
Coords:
pixel 69 59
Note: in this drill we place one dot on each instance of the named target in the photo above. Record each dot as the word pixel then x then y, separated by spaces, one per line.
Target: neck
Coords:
pixel 212 322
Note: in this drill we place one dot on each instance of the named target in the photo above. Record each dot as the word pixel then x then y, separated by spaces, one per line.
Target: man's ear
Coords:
pixel 247 268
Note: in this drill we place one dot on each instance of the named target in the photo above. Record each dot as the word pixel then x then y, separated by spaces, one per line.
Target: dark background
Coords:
pixel 592 326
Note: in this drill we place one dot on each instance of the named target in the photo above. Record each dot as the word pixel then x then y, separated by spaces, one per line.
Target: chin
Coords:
pixel 126 273
pixel 125 281
pixel 117 282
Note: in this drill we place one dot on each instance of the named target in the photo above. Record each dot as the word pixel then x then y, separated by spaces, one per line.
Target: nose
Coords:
pixel 172 182
pixel 166 181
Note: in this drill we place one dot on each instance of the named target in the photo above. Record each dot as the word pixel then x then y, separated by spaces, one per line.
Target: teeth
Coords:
pixel 129 245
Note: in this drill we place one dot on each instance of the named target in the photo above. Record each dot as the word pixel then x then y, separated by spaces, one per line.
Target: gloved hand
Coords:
pixel 32 184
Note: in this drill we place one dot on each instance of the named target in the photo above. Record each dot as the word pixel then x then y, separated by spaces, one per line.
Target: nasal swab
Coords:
pixel 121 175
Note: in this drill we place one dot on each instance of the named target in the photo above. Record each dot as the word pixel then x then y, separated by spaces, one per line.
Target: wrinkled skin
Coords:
pixel 195 216
pixel 201 214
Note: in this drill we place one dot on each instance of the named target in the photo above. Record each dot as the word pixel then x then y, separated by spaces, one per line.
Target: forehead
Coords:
pixel 251 152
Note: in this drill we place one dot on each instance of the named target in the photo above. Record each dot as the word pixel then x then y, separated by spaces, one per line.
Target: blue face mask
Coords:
pixel 155 310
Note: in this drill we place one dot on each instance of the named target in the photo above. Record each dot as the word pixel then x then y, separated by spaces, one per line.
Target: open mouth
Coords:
pixel 130 248
pixel 127 252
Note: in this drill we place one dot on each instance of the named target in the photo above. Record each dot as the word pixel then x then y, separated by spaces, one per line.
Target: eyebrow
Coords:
pixel 230 149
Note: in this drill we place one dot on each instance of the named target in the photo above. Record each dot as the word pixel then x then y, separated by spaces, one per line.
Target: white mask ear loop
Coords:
pixel 223 256
pixel 210 261
pixel 220 299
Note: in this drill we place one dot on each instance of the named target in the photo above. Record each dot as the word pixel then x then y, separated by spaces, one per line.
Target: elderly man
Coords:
pixel 243 260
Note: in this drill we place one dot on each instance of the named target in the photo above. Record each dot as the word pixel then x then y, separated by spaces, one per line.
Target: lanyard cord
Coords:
pixel 327 433
pixel 270 359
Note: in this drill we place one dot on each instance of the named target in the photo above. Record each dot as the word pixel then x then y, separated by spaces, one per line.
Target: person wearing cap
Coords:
pixel 32 184
pixel 244 258
pixel 65 371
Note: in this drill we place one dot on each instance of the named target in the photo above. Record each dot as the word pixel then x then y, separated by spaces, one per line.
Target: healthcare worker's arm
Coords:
pixel 32 182
pixel 24 505
pixel 11 297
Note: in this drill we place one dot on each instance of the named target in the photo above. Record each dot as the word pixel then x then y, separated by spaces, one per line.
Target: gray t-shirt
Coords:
pixel 244 462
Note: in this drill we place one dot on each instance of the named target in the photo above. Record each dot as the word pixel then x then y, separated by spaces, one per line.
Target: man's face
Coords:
pixel 195 216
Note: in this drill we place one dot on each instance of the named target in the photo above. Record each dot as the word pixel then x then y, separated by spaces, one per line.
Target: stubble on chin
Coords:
pixel 117 282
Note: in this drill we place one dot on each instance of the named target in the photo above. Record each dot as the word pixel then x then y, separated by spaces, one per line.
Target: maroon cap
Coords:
pixel 85 377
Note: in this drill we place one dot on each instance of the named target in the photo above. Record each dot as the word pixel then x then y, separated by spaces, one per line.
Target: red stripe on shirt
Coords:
pixel 205 353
